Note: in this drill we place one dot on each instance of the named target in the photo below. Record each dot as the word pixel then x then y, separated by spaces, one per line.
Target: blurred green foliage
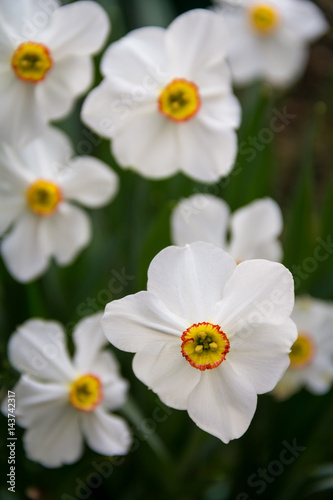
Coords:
pixel 294 166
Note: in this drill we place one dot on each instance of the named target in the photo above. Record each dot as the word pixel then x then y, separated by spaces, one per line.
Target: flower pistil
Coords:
pixel 179 100
pixel 43 197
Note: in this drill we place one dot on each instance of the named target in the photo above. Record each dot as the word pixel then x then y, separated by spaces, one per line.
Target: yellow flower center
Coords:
pixel 43 197
pixel 264 18
pixel 205 346
pixel 86 393
pixel 302 352
pixel 180 100
pixel 31 61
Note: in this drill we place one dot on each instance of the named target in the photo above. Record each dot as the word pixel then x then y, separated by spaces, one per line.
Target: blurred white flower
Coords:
pixel 45 61
pixel 208 335
pixel 311 357
pixel 269 39
pixel 254 229
pixel 37 183
pixel 62 401
pixel 166 100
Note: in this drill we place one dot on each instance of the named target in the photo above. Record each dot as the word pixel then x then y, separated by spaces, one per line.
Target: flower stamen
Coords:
pixel 31 61
pixel 180 100
pixel 205 346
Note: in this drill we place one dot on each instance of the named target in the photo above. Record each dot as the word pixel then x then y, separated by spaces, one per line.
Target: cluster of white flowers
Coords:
pixel 213 329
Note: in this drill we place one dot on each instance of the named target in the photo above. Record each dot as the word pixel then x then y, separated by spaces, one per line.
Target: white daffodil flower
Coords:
pixel 38 182
pixel 45 61
pixel 208 335
pixel 166 100
pixel 269 39
pixel 62 401
pixel 311 357
pixel 254 229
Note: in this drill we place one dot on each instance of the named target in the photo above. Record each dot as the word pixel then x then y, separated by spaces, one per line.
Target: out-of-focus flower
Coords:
pixel 208 335
pixel 62 400
pixel 45 61
pixel 254 229
pixel 166 100
pixel 269 39
pixel 311 357
pixel 37 183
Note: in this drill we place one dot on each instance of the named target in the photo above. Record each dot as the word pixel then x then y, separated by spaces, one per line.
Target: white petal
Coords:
pixel 55 438
pixel 69 78
pixel 259 291
pixel 137 320
pixel 243 49
pixel 153 145
pixel 214 81
pixel 146 64
pixel 206 153
pixel 284 58
pixel 253 227
pixel 89 340
pixel 163 369
pixel 195 40
pixel 79 29
pixel 68 232
pixel 20 113
pixel 25 249
pixel 38 348
pixel 114 103
pixel 11 207
pixel 220 113
pixel 48 155
pixel 15 177
pixel 223 403
pixel 115 392
pixel 201 217
pixel 38 399
pixel 262 356
pixel 89 181
pixel 307 20
pixel 106 434
pixel 28 17
pixel 190 280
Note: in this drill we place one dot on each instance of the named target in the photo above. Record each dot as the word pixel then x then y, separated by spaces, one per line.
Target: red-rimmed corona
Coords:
pixel 31 61
pixel 205 346
pixel 86 393
pixel 179 100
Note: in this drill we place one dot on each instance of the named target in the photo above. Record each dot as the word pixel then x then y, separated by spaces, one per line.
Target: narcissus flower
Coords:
pixel 62 400
pixel 311 357
pixel 166 100
pixel 208 335
pixel 38 181
pixel 45 61
pixel 254 229
pixel 269 39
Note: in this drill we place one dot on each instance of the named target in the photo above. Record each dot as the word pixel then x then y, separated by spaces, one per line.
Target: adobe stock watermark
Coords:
pixel 263 477
pixel 322 252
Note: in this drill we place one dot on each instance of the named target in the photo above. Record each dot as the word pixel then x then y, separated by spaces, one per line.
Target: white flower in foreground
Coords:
pixel 38 182
pixel 63 400
pixel 269 39
pixel 254 229
pixel 208 335
pixel 166 100
pixel 45 61
pixel 311 357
